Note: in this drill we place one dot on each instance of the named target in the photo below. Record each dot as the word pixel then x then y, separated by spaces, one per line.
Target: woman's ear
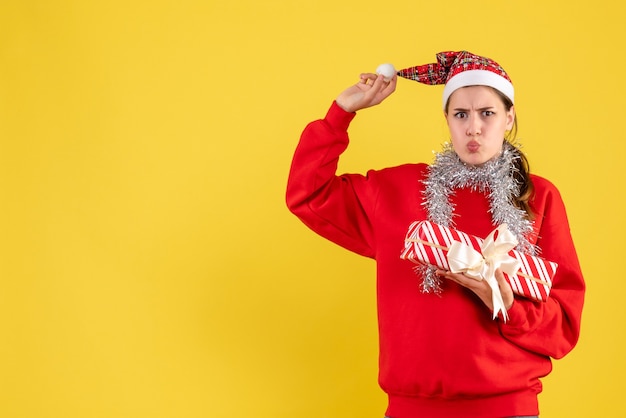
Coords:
pixel 510 118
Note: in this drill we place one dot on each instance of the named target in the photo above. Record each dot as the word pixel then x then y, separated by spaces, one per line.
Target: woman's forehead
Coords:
pixel 474 95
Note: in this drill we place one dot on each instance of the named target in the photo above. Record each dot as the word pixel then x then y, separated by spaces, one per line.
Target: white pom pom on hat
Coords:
pixel 387 70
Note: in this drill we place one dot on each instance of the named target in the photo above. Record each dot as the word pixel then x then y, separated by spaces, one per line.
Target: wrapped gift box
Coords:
pixel 428 243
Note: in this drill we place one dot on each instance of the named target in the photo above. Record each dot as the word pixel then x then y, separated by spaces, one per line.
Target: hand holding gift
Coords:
pixel 449 249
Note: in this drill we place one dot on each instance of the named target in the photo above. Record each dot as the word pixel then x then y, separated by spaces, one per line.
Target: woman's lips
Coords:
pixel 473 146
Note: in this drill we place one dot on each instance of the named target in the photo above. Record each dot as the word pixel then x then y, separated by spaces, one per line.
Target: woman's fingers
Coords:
pixel 367 78
pixel 371 90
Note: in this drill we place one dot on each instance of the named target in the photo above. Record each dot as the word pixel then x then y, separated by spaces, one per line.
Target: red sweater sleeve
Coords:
pixel 335 207
pixel 550 328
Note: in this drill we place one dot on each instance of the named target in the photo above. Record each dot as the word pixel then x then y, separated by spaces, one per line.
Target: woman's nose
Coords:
pixel 473 126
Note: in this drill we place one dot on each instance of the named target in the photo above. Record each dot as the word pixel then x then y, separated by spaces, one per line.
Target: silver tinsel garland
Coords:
pixel 495 177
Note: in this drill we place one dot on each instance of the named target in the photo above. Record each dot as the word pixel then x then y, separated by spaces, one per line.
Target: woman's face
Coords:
pixel 478 120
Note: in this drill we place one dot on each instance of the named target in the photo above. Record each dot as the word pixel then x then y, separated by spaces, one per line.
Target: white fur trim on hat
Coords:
pixel 478 78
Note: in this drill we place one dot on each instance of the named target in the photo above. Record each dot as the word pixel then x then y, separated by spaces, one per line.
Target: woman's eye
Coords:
pixel 460 115
pixel 488 113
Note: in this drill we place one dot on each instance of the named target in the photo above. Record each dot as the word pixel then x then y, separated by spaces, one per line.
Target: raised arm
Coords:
pixel 336 207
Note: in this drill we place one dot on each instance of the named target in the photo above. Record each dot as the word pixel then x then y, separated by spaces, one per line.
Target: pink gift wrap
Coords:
pixel 428 243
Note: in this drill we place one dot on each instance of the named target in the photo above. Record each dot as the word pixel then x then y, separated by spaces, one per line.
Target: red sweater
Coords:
pixel 440 356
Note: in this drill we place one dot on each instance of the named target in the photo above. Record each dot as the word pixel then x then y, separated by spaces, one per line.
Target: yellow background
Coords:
pixel 148 265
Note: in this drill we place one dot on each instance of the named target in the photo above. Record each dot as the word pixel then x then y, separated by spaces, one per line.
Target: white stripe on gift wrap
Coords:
pixel 437 235
pixel 535 289
pixel 540 266
pixel 429 236
pixel 524 269
pixel 419 249
pixel 422 254
pixel 465 239
pixel 515 283
pixel 532 289
pixel 408 244
pixel 543 273
pixel 448 236
pixel 440 258
pixel 544 270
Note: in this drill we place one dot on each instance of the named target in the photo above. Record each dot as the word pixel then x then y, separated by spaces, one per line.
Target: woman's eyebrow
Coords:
pixel 462 109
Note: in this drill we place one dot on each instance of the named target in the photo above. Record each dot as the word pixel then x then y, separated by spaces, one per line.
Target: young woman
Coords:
pixel 442 354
